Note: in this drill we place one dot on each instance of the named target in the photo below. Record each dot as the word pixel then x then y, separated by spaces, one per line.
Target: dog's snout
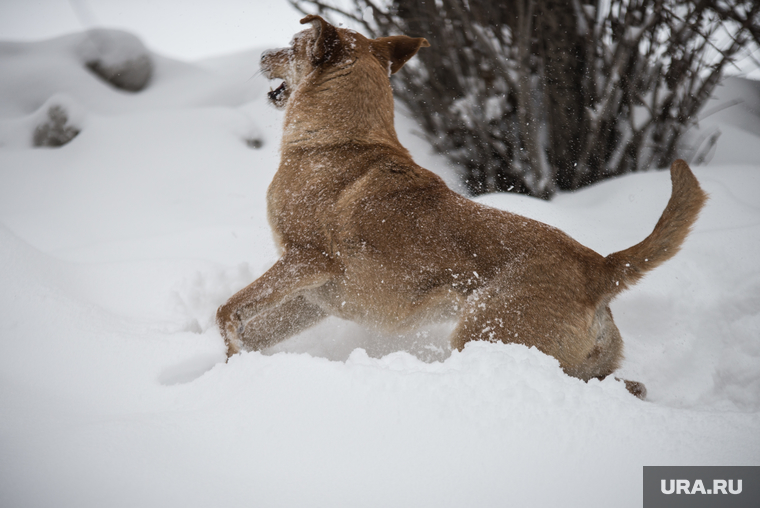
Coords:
pixel 264 60
pixel 265 56
pixel 273 63
pixel 271 55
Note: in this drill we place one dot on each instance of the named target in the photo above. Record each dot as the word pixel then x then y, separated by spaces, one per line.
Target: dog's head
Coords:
pixel 324 47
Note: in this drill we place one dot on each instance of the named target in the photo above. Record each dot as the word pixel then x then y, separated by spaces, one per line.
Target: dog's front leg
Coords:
pixel 296 271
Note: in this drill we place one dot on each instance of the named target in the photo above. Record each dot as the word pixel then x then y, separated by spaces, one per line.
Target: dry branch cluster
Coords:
pixel 538 96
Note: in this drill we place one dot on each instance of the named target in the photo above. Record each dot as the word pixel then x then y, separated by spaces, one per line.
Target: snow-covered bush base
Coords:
pixel 117 57
pixel 56 130
pixel 116 249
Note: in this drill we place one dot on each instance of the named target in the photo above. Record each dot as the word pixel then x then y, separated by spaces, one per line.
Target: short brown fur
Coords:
pixel 369 236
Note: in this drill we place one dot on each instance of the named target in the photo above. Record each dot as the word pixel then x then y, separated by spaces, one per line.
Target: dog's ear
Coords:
pixel 326 40
pixel 397 49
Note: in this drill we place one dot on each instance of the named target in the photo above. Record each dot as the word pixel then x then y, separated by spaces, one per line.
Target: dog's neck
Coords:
pixel 350 103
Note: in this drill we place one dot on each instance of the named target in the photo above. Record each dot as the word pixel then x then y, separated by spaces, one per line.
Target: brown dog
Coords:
pixel 369 236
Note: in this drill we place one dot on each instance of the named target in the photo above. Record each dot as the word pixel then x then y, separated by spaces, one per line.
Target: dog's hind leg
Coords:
pixel 298 270
pixel 520 319
pixel 604 350
pixel 528 310
pixel 606 353
pixel 582 337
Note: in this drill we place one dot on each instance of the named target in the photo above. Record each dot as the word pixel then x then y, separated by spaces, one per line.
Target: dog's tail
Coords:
pixel 628 266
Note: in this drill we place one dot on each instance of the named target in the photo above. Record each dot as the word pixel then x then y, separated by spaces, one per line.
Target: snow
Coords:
pixel 117 248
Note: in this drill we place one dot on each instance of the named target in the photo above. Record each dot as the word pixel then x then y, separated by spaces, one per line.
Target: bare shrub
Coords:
pixel 538 96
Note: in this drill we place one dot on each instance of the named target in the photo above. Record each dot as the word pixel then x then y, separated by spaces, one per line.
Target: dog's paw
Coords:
pixel 231 328
pixel 636 388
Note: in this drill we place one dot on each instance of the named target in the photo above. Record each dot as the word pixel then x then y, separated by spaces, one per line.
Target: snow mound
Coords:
pixel 117 57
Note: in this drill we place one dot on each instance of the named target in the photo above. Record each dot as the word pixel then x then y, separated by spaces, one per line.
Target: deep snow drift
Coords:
pixel 116 249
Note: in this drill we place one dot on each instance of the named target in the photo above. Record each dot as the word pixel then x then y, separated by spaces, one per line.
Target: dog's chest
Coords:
pixel 301 205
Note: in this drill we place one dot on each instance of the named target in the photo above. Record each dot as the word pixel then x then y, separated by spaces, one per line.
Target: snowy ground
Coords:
pixel 116 249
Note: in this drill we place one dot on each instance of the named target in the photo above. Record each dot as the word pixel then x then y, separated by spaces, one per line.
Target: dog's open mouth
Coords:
pixel 278 95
